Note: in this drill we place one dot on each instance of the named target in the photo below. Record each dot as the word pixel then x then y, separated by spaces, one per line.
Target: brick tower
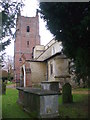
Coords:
pixel 27 36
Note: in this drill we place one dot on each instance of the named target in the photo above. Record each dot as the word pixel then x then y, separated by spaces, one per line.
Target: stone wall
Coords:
pixel 38 72
pixel 38 50
pixel 60 68
pixel 51 50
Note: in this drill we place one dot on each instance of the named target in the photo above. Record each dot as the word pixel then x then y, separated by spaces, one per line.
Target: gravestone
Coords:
pixel 3 88
pixel 67 93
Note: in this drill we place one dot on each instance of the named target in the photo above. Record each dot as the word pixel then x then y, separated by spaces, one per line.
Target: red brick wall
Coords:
pixel 22 36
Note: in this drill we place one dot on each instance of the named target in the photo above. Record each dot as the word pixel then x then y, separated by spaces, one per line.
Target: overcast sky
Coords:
pixel 30 10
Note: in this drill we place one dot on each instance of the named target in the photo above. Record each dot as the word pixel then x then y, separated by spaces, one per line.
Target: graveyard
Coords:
pixel 77 109
pixel 44 80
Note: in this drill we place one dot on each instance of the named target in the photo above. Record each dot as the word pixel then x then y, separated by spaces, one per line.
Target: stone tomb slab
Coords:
pixel 40 103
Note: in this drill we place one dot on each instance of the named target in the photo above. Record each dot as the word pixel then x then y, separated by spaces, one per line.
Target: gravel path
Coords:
pixel 81 92
pixel 12 86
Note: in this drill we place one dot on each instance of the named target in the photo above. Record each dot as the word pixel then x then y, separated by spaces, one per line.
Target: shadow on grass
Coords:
pixel 10 108
pixel 77 109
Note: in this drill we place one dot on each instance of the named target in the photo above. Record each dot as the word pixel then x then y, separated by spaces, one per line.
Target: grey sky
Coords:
pixel 30 11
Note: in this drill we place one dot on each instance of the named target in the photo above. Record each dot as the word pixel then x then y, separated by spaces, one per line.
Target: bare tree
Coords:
pixel 9 66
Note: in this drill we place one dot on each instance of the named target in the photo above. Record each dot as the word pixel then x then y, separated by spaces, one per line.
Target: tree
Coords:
pixel 8 14
pixel 9 66
pixel 70 23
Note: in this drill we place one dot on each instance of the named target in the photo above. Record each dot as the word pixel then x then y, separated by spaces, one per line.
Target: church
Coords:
pixel 33 62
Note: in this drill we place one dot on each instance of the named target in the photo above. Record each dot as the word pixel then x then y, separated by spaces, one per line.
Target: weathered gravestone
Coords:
pixel 67 93
pixel 3 88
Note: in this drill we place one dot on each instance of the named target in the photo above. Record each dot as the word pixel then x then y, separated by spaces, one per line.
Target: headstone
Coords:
pixel 67 93
pixel 3 88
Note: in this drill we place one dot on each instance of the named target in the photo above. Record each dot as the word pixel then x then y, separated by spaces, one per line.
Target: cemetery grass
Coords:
pixel 10 108
pixel 9 83
pixel 77 109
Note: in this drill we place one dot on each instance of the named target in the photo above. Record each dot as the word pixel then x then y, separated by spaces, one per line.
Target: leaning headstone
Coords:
pixel 67 93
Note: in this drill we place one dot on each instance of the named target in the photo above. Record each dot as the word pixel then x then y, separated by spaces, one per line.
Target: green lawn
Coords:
pixel 78 109
pixel 81 89
pixel 9 83
pixel 0 107
pixel 10 108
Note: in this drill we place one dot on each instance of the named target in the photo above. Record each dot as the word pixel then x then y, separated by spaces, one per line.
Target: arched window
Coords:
pixel 28 29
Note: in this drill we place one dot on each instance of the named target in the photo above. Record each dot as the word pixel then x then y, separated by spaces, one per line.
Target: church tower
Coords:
pixel 27 37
